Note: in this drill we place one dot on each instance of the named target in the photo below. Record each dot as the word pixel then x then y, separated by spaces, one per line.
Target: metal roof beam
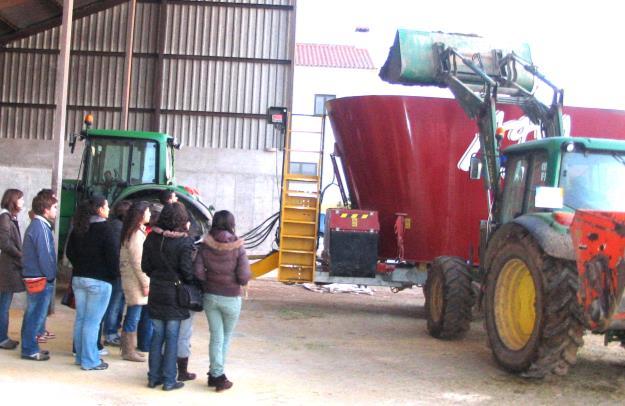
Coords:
pixel 54 3
pixel 79 12
pixel 8 23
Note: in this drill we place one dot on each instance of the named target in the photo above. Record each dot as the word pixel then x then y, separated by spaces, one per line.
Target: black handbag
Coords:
pixel 189 296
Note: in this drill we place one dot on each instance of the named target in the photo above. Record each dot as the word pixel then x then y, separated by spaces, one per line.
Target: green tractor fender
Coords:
pixel 200 213
pixel 554 238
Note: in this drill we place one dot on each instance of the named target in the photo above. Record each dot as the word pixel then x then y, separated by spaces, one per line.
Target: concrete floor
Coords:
pixel 294 346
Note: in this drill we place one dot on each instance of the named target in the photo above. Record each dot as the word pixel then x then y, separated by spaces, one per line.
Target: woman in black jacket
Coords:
pixel 10 260
pixel 94 255
pixel 167 260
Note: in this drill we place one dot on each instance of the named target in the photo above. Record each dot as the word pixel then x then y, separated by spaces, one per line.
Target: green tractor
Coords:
pixel 127 165
pixel 552 250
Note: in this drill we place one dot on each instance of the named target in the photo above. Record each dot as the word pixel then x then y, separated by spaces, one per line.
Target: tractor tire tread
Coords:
pixel 563 328
pixel 458 298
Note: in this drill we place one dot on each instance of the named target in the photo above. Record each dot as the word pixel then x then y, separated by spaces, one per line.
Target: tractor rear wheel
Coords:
pixel 533 319
pixel 449 298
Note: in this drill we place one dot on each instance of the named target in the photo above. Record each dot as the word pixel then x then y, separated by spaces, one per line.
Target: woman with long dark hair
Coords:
pixel 135 283
pixel 10 260
pixel 92 249
pixel 167 260
pixel 223 267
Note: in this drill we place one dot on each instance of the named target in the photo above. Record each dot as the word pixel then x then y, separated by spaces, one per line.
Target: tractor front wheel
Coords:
pixel 533 319
pixel 449 298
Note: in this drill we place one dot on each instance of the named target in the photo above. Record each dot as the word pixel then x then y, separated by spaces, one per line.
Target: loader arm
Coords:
pixel 479 80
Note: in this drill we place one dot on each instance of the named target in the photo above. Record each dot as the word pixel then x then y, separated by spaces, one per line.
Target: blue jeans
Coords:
pixel 5 306
pixel 144 333
pixel 162 361
pixel 115 310
pixel 184 338
pixel 131 321
pixel 92 297
pixel 34 318
pixel 222 313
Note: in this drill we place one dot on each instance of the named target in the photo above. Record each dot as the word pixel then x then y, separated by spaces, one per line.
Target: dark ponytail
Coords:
pixel 85 210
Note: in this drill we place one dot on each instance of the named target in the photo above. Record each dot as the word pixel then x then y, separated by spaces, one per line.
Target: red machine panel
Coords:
pixel 411 155
pixel 353 220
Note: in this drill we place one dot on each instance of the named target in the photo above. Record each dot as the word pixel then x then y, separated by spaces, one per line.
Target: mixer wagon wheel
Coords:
pixel 533 319
pixel 449 298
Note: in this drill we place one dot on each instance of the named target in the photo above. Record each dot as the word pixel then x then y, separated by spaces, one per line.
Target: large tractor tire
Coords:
pixel 449 298
pixel 533 319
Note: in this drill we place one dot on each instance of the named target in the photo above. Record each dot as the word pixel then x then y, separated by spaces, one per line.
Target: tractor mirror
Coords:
pixel 475 168
pixel 549 197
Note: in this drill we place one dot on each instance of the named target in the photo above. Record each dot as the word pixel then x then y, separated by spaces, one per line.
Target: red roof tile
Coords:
pixel 332 56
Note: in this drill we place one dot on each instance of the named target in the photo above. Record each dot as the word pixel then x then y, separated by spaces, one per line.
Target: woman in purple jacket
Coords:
pixel 222 266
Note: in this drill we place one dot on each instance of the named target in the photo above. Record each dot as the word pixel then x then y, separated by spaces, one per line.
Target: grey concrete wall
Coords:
pixel 242 181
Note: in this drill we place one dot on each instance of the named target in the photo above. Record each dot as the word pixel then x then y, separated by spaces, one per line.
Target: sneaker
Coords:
pixel 9 344
pixel 112 342
pixel 174 386
pixel 39 356
pixel 103 352
pixel 154 384
pixel 103 365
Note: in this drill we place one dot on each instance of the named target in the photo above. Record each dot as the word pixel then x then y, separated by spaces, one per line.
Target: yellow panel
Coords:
pixel 295 214
pixel 299 244
pixel 300 275
pixel 298 229
pixel 265 265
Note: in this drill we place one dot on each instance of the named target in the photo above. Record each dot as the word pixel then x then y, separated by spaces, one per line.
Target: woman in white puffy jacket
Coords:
pixel 135 283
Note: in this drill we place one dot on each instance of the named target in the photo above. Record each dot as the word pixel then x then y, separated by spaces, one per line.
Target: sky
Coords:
pixel 577 45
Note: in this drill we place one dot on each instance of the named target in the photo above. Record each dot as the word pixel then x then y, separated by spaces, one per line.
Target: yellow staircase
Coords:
pixel 299 214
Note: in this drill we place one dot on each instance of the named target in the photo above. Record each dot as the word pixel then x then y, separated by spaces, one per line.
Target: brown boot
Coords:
pixel 128 345
pixel 183 374
pixel 222 383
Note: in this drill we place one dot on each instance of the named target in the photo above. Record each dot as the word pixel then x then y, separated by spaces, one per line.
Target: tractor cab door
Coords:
pixel 523 174
pixel 114 164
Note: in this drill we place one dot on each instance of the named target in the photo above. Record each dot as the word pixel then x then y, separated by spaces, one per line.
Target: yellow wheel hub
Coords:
pixel 436 304
pixel 515 304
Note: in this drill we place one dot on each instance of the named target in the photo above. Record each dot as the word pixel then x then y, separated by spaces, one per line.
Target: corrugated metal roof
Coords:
pixel 332 56
pixel 21 18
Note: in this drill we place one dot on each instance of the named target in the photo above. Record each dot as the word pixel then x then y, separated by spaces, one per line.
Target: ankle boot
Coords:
pixel 183 374
pixel 222 383
pixel 211 380
pixel 128 345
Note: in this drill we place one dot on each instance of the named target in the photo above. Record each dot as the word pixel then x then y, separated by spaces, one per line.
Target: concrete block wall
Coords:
pixel 241 181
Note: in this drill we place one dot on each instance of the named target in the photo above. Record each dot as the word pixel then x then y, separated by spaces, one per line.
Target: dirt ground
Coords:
pixel 294 346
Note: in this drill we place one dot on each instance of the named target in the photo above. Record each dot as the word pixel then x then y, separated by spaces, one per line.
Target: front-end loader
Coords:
pixel 552 248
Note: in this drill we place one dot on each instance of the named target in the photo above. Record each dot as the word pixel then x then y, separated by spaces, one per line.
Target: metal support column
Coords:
pixel 60 98
pixel 158 72
pixel 130 30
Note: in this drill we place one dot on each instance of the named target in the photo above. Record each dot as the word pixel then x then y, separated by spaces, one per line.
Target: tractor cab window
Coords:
pixel 116 163
pixel 593 180
pixel 143 164
pixel 514 188
pixel 169 164
pixel 538 177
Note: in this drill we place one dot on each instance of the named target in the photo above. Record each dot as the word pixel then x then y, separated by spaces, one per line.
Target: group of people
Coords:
pixel 138 257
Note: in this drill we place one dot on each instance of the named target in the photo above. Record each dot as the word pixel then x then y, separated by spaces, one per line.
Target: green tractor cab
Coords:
pixel 128 165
